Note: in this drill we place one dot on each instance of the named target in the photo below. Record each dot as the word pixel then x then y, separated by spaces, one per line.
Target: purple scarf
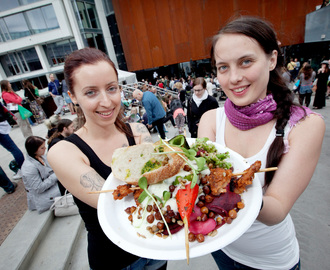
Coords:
pixel 260 113
pixel 248 117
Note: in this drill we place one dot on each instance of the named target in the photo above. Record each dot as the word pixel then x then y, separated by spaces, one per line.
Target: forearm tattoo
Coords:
pixel 92 180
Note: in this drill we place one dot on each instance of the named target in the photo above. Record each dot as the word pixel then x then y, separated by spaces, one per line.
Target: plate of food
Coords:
pixel 149 220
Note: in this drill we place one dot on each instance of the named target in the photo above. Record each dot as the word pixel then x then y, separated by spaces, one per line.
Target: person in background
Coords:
pixel 29 92
pixel 154 109
pixel 67 99
pixel 297 67
pixel 260 122
pixel 55 91
pixel 200 103
pixel 286 76
pixel 291 68
pixel 7 185
pixel 93 82
pixel 178 114
pixel 306 83
pixel 321 85
pixel 9 144
pixel 64 129
pixel 51 124
pixel 13 101
pixel 39 178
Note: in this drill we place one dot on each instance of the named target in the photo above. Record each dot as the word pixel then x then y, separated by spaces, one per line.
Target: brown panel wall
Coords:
pixel 162 32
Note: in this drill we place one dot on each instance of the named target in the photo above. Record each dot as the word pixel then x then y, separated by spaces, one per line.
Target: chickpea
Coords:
pixel 204 217
pixel 160 225
pixel 208 198
pixel 219 220
pixel 204 210
pixel 149 208
pixel 232 214
pixel 240 205
pixel 211 214
pixel 200 204
pixel 158 216
pixel 150 218
pixel 206 189
pixel 200 238
pixel 228 220
pixel 191 237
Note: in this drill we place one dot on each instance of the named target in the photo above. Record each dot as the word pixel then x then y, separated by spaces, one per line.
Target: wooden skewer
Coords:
pixel 261 170
pixel 186 232
pixel 108 190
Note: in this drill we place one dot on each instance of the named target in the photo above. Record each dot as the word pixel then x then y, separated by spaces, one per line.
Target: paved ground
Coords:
pixel 310 213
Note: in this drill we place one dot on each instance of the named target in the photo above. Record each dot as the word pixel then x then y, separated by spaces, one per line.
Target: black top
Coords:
pixel 28 93
pixel 195 113
pixel 102 253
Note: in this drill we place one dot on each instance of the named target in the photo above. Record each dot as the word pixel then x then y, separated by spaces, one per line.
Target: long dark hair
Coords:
pixel 90 56
pixel 28 84
pixel 63 123
pixel 32 145
pixel 263 33
pixel 308 71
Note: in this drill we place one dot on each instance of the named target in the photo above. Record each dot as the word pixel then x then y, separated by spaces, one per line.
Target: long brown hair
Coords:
pixel 263 33
pixel 4 85
pixel 28 84
pixel 90 56
pixel 307 70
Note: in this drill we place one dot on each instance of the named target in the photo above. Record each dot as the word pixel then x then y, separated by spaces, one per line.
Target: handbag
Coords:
pixel 24 113
pixel 39 100
pixel 64 205
pixel 314 86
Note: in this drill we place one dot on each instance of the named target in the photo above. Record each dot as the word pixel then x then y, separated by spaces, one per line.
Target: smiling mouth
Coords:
pixel 105 113
pixel 239 90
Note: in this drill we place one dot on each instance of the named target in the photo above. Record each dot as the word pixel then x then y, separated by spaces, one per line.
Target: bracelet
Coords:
pixel 262 204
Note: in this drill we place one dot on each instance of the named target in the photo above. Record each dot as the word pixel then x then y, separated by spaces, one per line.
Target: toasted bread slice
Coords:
pixel 129 164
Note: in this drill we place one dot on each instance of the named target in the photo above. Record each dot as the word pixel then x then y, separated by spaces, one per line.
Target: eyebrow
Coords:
pixel 239 59
pixel 93 86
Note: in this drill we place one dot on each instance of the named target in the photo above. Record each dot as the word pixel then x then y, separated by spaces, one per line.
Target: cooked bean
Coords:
pixel 158 216
pixel 200 204
pixel 200 238
pixel 211 214
pixel 240 205
pixel 204 210
pixel 232 214
pixel 206 189
pixel 171 188
pixel 149 208
pixel 208 199
pixel 191 237
pixel 150 218
pixel 160 225
pixel 204 217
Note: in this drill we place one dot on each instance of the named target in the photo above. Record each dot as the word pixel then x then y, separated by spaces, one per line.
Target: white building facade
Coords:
pixel 37 35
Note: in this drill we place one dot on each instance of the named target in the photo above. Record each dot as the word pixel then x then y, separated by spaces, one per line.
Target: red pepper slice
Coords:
pixel 185 199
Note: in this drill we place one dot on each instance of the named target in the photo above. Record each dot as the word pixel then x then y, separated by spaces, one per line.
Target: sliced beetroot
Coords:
pixel 195 213
pixel 203 227
pixel 224 202
pixel 174 228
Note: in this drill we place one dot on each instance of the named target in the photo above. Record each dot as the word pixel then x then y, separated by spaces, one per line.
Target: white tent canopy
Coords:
pixel 123 76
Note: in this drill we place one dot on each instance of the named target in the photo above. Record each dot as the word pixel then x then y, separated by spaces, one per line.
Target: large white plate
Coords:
pixel 115 224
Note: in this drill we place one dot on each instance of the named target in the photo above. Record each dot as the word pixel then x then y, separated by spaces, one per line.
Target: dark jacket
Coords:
pixel 195 113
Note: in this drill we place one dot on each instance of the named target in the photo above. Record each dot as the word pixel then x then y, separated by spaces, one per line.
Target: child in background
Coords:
pixel 178 114
pixel 134 116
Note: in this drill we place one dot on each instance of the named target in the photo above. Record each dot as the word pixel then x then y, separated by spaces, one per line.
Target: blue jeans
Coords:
pixel 9 144
pixel 146 264
pixel 5 183
pixel 226 263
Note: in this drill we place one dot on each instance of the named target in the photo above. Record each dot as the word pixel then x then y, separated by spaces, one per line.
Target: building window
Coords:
pixel 87 15
pixel 94 40
pixel 20 62
pixel 10 4
pixel 56 52
pixel 28 23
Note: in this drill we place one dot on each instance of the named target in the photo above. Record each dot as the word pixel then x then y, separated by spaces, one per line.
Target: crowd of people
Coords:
pixel 258 120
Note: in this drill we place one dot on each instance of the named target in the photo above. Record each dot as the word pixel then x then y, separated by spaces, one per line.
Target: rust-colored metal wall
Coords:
pixel 162 32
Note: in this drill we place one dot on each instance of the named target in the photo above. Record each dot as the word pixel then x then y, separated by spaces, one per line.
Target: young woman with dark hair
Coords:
pixel 39 178
pixel 92 80
pixel 260 121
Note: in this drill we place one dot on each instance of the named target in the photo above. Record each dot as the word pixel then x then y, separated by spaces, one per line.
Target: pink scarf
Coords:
pixel 260 113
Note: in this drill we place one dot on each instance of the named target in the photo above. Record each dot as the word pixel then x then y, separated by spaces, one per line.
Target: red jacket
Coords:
pixel 11 98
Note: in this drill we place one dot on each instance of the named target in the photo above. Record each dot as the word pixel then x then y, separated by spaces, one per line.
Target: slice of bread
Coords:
pixel 129 164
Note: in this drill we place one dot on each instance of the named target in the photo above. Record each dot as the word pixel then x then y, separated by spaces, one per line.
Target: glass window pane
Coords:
pixel 7 65
pixel 17 26
pixel 14 63
pixel 20 58
pixel 4 30
pixel 49 13
pixel 89 39
pixel 32 60
pixel 100 42
pixel 56 52
pixel 36 21
pixel 92 16
pixel 8 4
pixel 83 15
